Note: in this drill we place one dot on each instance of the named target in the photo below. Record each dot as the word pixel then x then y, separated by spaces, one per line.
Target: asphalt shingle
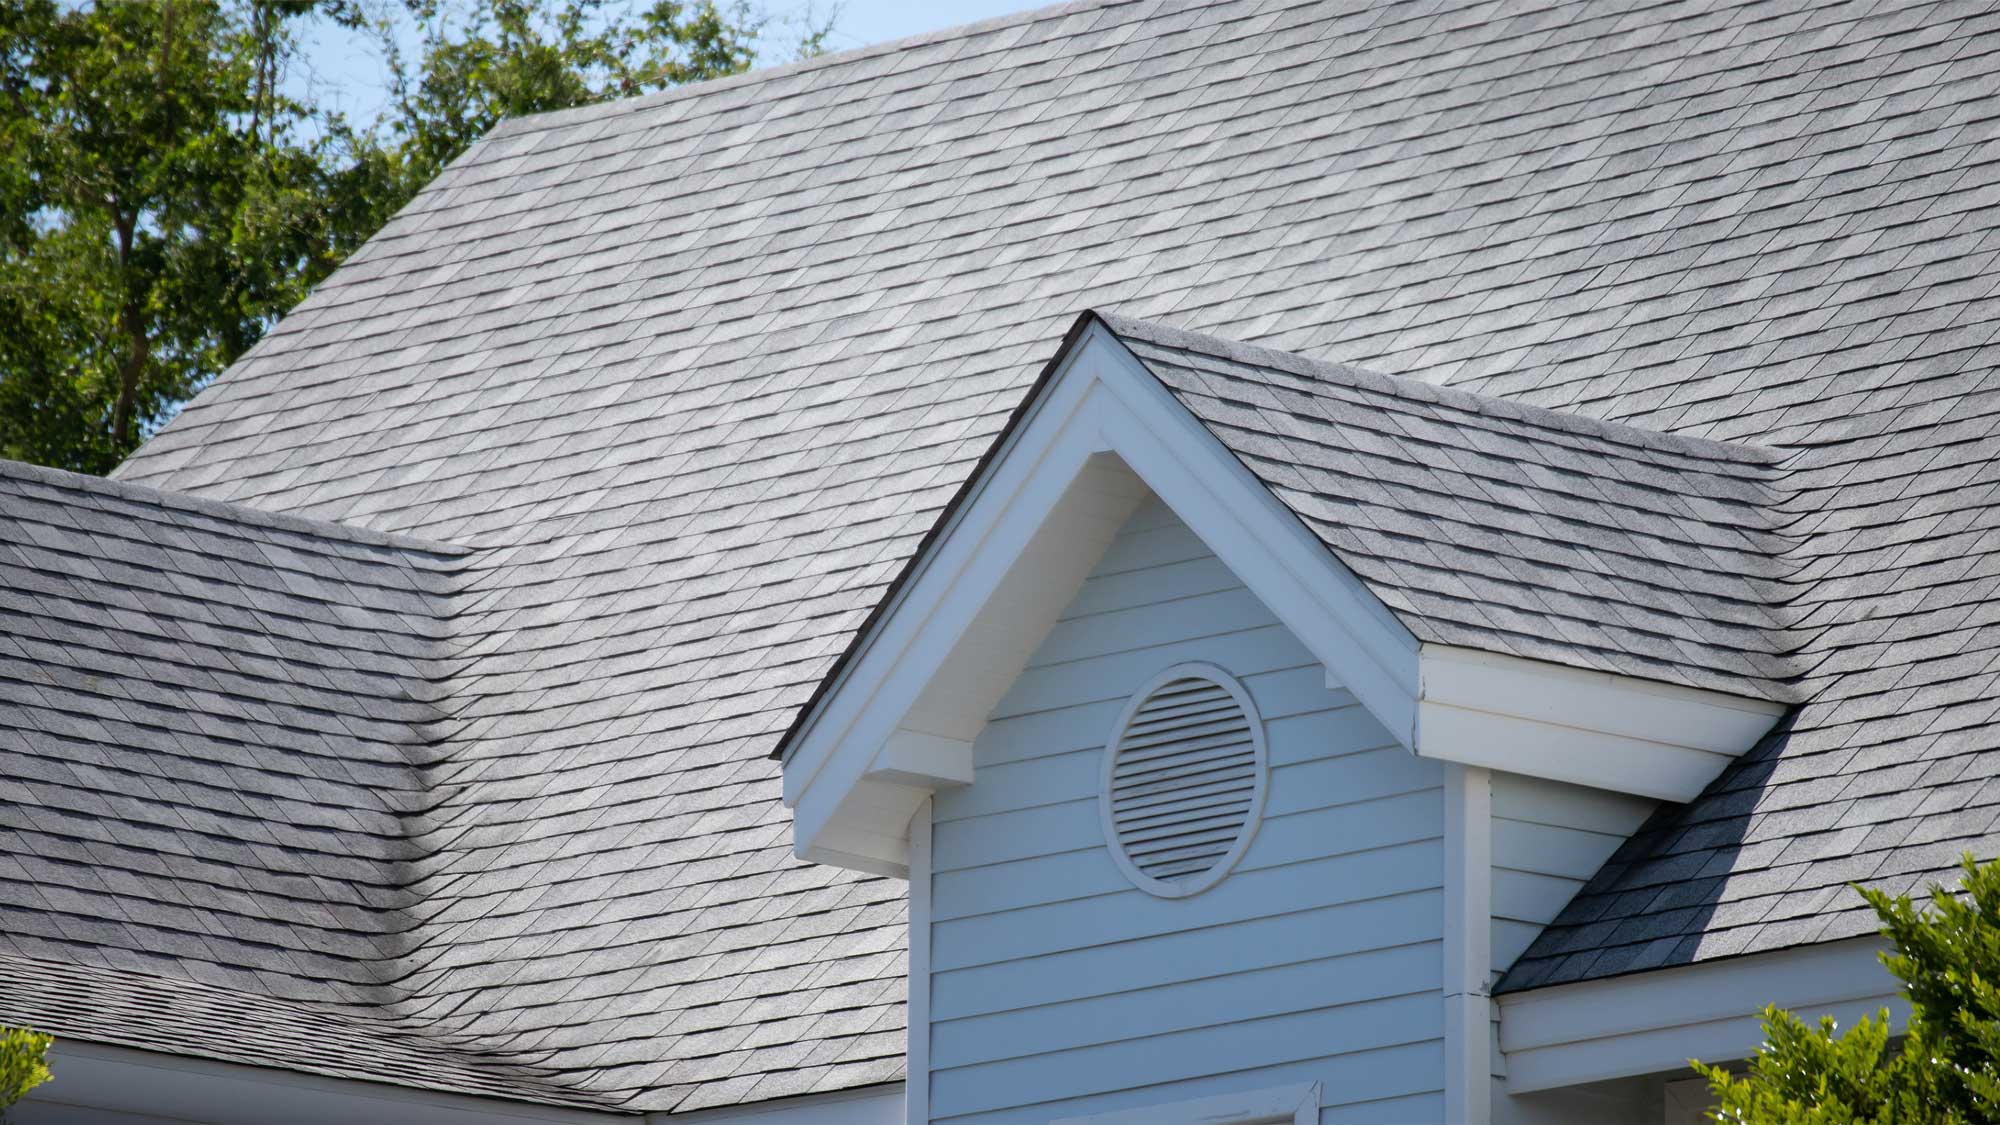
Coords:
pixel 687 378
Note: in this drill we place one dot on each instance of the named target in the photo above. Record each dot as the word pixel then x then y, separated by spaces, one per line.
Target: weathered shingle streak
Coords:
pixel 687 378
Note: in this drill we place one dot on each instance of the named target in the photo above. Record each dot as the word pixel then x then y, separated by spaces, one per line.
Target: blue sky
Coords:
pixel 344 70
pixel 872 21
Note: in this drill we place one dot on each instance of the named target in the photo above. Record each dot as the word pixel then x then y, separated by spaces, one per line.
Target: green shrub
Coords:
pixel 1946 1068
pixel 23 1063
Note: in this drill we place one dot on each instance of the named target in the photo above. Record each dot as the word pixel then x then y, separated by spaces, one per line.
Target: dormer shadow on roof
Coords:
pixel 1499 586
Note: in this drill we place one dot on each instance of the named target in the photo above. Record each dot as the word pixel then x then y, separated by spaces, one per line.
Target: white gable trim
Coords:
pixel 1359 641
pixel 1588 728
pixel 899 723
pixel 1653 1022
pixel 917 1040
pixel 1468 958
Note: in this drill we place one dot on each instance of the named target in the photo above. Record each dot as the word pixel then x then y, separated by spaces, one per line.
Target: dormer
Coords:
pixel 1244 717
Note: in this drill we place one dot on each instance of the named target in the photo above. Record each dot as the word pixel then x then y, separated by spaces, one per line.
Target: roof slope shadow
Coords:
pixel 214 726
pixel 1887 774
pixel 1507 528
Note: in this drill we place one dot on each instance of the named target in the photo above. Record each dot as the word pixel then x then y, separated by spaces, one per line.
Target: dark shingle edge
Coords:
pixel 225 511
pixel 893 592
pixel 1123 328
pixel 1705 449
pixel 618 107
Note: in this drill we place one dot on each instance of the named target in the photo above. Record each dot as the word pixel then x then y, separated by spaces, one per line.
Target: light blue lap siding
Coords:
pixel 1058 988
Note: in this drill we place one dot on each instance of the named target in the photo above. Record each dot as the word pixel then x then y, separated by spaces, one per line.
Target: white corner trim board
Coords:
pixel 917 1039
pixel 1468 958
pixel 1296 1104
pixel 899 722
pixel 1607 731
pixel 1653 1022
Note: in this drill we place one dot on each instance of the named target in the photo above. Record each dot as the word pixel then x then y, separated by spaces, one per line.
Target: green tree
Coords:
pixel 142 241
pixel 506 58
pixel 1945 1069
pixel 23 1063
pixel 164 201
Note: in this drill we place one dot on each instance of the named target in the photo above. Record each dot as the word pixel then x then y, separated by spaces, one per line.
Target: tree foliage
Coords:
pixel 165 200
pixel 23 1063
pixel 1945 1069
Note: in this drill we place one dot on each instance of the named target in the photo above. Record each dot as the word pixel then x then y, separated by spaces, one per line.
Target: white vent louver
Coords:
pixel 1183 780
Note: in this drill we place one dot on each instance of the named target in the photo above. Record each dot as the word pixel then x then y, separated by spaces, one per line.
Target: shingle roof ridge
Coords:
pixel 560 118
pixel 225 510
pixel 1361 378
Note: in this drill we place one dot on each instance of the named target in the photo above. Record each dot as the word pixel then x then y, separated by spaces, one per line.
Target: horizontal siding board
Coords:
pixel 1147 626
pixel 1071 821
pixel 1377 1076
pixel 1406 1110
pixel 1509 939
pixel 1161 959
pixel 1539 801
pixel 1278 693
pixel 1322 1033
pixel 1036 930
pixel 1529 896
pixel 1058 987
pixel 1151 586
pixel 1088 872
pixel 1550 850
pixel 1371 974
pixel 1548 838
pixel 1141 548
pixel 1246 653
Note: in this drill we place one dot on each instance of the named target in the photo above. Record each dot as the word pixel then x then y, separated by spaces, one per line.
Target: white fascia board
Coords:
pixel 1654 1021
pixel 917 1038
pixel 1599 729
pixel 1041 515
pixel 1468 957
pixel 1049 444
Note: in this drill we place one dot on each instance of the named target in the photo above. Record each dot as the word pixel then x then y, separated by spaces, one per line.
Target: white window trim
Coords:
pixel 1296 1104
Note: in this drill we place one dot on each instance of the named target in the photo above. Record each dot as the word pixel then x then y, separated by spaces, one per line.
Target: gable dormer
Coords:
pixel 1174 529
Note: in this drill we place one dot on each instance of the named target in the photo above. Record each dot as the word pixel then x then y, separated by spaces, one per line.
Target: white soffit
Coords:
pixel 900 720
pixel 1588 728
pixel 1655 1021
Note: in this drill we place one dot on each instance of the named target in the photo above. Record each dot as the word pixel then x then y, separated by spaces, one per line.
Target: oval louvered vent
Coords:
pixel 1183 780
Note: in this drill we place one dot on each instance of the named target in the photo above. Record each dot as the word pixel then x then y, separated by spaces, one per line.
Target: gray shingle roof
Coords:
pixel 1849 574
pixel 692 374
pixel 1890 770
pixel 213 734
pixel 259 768
pixel 1511 529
